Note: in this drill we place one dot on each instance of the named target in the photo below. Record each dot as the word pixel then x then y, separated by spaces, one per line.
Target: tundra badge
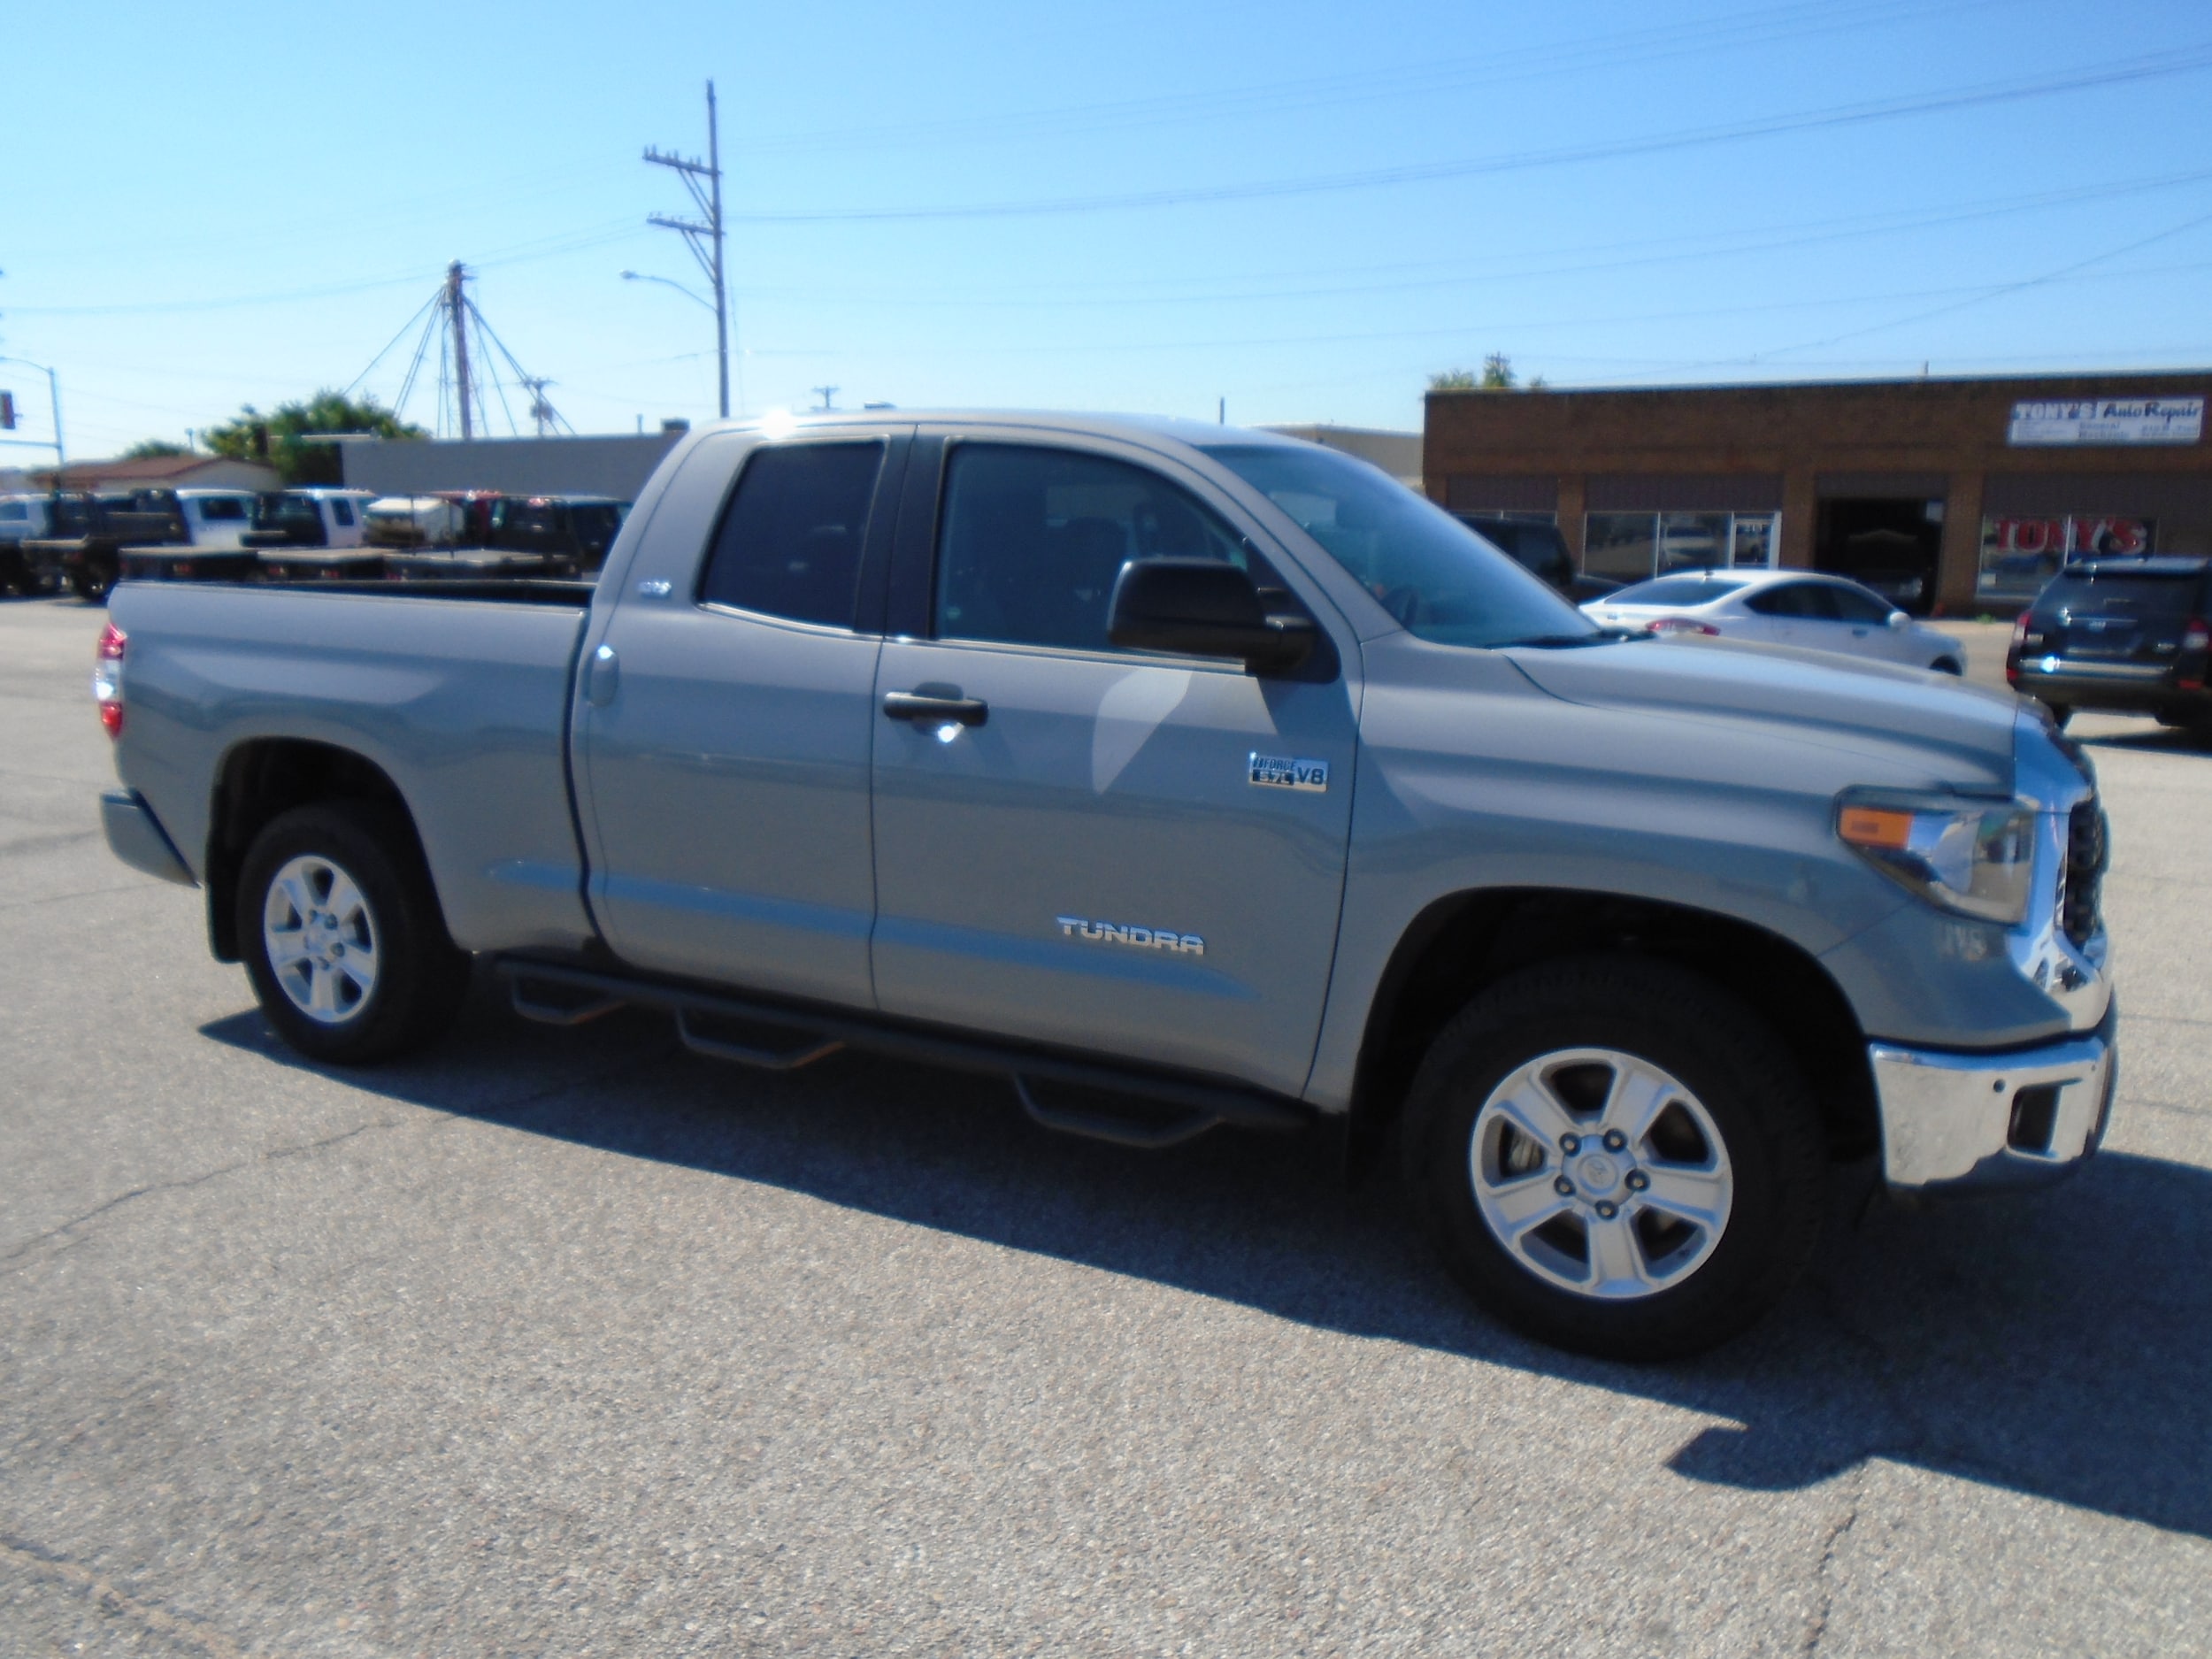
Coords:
pixel 1271 771
pixel 1122 934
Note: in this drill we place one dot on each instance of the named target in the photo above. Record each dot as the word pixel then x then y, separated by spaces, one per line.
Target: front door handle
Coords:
pixel 602 674
pixel 936 703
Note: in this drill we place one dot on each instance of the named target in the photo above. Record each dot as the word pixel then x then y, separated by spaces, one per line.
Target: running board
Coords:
pixel 1142 1109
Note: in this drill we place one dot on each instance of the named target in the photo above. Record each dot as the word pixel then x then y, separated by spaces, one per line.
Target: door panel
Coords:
pixel 1112 793
pixel 1093 865
pixel 728 766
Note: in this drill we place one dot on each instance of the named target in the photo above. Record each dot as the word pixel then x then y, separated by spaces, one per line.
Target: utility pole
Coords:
pixel 457 318
pixel 827 394
pixel 704 235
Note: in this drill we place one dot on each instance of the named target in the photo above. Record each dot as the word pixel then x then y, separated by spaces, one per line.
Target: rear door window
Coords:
pixel 790 541
pixel 1789 599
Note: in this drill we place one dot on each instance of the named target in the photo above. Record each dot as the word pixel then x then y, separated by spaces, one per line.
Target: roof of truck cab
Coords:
pixel 1197 434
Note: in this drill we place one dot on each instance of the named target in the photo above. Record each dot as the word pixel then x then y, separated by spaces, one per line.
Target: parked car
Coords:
pixel 87 534
pixel 2128 634
pixel 1781 607
pixel 574 532
pixel 417 521
pixel 1540 548
pixel 1183 776
pixel 22 518
pixel 314 517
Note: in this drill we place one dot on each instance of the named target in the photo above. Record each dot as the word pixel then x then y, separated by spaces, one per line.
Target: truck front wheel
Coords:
pixel 342 936
pixel 1617 1156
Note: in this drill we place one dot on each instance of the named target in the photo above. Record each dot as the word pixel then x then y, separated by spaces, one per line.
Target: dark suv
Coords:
pixel 2128 634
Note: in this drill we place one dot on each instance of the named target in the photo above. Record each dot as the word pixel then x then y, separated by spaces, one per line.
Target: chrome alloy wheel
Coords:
pixel 1601 1173
pixel 320 938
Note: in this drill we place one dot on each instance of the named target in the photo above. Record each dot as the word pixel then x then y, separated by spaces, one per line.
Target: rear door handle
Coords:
pixel 936 703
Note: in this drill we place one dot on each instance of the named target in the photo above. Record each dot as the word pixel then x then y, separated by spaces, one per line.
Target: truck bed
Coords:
pixel 458 691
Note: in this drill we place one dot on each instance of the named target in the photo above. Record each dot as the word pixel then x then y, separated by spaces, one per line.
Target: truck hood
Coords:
pixel 1922 728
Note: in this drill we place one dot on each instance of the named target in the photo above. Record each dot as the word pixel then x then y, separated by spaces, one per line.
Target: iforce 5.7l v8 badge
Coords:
pixel 1272 772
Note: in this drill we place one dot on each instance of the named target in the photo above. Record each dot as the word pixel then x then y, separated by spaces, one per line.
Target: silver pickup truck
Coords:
pixel 1184 776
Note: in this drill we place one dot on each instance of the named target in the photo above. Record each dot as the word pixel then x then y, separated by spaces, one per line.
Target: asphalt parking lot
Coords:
pixel 568 1342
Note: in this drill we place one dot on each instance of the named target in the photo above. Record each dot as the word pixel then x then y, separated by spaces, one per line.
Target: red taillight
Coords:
pixel 2020 629
pixel 1682 624
pixel 107 676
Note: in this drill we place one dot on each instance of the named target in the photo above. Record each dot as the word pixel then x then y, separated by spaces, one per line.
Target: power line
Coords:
pixel 2189 60
pixel 1488 69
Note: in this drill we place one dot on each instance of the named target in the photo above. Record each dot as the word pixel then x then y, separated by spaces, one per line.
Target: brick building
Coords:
pixel 1954 495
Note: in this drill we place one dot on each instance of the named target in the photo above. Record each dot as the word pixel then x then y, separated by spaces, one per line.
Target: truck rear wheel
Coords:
pixel 342 936
pixel 93 580
pixel 1616 1156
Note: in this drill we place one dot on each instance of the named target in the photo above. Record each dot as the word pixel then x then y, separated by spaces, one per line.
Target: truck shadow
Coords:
pixel 2053 1344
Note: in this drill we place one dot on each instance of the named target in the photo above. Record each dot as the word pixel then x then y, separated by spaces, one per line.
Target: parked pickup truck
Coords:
pixel 86 535
pixel 1184 776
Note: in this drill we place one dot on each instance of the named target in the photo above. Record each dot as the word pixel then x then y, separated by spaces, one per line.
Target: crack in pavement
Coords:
pixel 48 1565
pixel 97 1210
pixel 1816 1631
pixel 433 1118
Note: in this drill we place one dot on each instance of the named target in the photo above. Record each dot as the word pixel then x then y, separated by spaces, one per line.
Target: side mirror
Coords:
pixel 1898 619
pixel 1203 607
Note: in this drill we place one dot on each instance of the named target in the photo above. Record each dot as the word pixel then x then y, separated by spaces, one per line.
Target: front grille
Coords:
pixel 2087 852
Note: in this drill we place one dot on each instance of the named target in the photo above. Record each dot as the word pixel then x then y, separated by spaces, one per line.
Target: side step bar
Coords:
pixel 1140 1108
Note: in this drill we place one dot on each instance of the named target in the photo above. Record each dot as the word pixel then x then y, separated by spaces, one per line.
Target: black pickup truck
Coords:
pixel 89 531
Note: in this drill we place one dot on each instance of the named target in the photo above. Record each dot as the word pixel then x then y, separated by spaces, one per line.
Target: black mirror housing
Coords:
pixel 1203 607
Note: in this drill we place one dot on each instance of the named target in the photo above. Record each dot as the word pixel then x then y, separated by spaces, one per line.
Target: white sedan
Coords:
pixel 1820 613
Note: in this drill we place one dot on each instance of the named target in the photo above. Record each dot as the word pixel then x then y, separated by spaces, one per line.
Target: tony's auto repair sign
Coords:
pixel 2074 420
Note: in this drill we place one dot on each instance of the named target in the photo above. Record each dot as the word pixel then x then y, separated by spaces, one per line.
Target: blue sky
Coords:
pixel 1302 208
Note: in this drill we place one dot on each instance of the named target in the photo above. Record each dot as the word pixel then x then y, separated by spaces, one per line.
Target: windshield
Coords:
pixel 1675 590
pixel 1437 577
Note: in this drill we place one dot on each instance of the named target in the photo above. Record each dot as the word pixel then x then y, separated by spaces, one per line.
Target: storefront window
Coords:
pixel 1630 546
pixel 2020 554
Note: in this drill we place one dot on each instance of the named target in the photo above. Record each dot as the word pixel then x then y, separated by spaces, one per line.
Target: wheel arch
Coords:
pixel 260 779
pixel 1465 941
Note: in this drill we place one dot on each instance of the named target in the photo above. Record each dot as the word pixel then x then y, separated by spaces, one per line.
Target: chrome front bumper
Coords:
pixel 1986 1120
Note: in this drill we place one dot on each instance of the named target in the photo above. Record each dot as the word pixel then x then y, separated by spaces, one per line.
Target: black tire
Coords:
pixel 2061 712
pixel 418 974
pixel 92 581
pixel 1728 1062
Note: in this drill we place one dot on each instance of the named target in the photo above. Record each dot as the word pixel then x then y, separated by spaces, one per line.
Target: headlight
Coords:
pixel 1973 857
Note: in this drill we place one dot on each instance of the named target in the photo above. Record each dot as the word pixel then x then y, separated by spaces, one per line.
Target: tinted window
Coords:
pixel 220 508
pixel 2133 594
pixel 1856 605
pixel 1788 599
pixel 1441 581
pixel 14 510
pixel 1032 540
pixel 790 543
pixel 341 509
pixel 1675 590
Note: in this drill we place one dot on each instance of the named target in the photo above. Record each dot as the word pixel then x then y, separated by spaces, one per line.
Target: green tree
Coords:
pixel 281 437
pixel 153 448
pixel 1495 375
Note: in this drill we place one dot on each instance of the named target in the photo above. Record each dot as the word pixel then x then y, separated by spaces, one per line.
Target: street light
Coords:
pixel 704 304
pixel 53 391
pixel 639 276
